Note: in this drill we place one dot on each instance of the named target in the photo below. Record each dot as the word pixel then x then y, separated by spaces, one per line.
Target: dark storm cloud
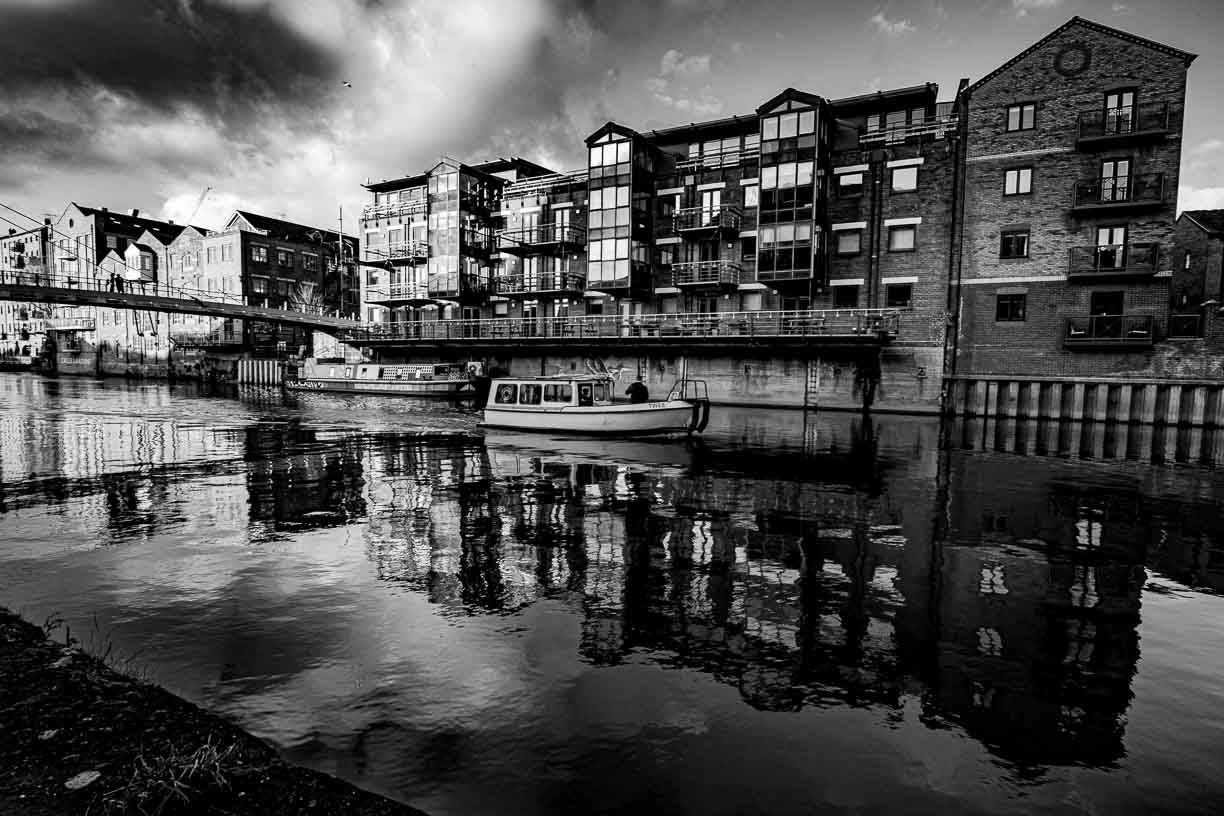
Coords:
pixel 162 53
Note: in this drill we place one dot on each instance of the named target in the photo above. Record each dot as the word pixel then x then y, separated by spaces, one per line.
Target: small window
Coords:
pixel 849 242
pixel 283 258
pixel 111 241
pixel 1014 244
pixel 1022 117
pixel 1186 261
pixel 560 392
pixel 752 195
pixel 845 297
pixel 259 285
pixel 899 295
pixel 1018 181
pixel 849 185
pixel 904 179
pixel 902 239
pixel 507 394
pixel 259 253
pixel 1010 308
pixel 529 394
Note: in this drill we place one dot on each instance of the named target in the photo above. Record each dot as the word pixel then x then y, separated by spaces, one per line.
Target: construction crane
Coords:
pixel 199 204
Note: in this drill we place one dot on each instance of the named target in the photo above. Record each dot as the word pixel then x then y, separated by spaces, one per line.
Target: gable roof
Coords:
pixel 1210 221
pixel 1091 26
pixel 789 93
pixel 610 127
pixel 133 226
pixel 287 230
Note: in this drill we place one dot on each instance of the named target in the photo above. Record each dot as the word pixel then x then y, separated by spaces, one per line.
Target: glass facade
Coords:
pixel 787 239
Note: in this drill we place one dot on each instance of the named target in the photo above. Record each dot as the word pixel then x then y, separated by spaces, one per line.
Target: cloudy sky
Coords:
pixel 145 103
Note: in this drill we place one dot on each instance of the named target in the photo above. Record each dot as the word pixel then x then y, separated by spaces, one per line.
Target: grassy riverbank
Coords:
pixel 78 736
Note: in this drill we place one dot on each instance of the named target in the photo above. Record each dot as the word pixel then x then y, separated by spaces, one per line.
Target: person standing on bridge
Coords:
pixel 110 283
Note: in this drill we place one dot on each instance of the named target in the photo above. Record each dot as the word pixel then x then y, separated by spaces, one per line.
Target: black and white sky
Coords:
pixel 145 103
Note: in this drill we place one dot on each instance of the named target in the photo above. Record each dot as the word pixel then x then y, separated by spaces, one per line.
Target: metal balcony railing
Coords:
pixel 707 218
pixel 1110 331
pixel 397 293
pixel 69 324
pixel 544 282
pixel 207 339
pixel 1185 325
pixel 1109 124
pixel 934 126
pixel 394 208
pixel 1112 193
pixel 838 325
pixel 400 250
pixel 540 235
pixel 1114 260
pixel 696 273
pixel 478 239
pixel 728 158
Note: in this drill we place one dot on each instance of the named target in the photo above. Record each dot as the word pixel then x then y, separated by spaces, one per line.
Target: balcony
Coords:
pixel 934 127
pixel 413 251
pixel 477 240
pixel 393 209
pixel 706 273
pixel 540 238
pixel 706 220
pixel 1110 195
pixel 567 283
pixel 208 339
pixel 1114 261
pixel 54 324
pixel 1109 127
pixel 730 158
pixel 1110 332
pixel 398 294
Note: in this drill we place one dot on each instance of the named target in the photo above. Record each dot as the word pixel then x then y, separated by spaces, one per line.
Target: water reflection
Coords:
pixel 998 582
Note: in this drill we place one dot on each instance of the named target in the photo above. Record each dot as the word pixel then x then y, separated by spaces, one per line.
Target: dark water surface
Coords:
pixel 802 614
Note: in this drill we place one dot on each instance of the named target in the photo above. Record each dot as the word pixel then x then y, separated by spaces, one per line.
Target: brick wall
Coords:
pixel 1050 149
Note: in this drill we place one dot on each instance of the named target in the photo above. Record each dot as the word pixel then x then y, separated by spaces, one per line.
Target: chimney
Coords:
pixel 12 231
pixel 135 212
pixel 105 210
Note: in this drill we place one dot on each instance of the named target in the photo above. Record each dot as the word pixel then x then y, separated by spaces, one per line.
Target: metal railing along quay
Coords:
pixel 830 323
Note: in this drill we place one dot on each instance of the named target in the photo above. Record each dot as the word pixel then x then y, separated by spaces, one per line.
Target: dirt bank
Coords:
pixel 77 736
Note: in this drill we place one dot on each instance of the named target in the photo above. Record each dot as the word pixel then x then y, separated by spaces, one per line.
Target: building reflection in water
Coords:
pixel 994 580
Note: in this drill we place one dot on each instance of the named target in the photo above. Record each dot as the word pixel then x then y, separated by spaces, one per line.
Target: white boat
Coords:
pixel 407 380
pixel 586 405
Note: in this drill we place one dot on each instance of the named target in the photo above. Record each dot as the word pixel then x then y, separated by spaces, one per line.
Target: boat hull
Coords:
pixel 428 388
pixel 672 416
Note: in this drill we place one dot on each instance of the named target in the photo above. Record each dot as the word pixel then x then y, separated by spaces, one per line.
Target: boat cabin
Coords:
pixel 552 393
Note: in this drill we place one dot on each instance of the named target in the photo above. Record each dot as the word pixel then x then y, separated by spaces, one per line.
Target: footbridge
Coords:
pixel 78 290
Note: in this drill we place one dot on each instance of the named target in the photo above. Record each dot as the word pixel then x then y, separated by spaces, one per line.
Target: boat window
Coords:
pixel 559 392
pixel 584 394
pixel 529 394
pixel 348 372
pixel 331 371
pixel 365 370
pixel 507 394
pixel 601 392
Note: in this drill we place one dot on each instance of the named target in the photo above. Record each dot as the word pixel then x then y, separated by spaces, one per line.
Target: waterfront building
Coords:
pixel 23 257
pixel 1070 160
pixel 1198 277
pixel 430 241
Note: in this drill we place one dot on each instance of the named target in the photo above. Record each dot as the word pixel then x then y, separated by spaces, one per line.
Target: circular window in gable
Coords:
pixel 1073 59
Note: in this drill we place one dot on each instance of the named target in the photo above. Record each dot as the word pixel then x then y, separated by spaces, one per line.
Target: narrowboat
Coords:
pixel 407 380
pixel 587 405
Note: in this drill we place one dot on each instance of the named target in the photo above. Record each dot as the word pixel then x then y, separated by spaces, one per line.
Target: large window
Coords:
pixel 1022 116
pixel 608 260
pixel 849 242
pixel 610 154
pixel 1018 181
pixel 845 297
pixel 899 295
pixel 1014 243
pixel 902 238
pixel 849 185
pixel 904 179
pixel 1010 308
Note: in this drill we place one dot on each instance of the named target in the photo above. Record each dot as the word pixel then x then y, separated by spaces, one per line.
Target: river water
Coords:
pixel 800 613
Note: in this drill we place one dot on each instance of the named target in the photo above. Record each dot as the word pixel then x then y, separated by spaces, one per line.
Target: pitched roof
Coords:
pixel 1089 24
pixel 286 230
pixel 789 93
pixel 133 226
pixel 1208 220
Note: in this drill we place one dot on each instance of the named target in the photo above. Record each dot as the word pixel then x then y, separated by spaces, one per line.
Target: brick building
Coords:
pixel 23 258
pixel 1071 152
pixel 1198 277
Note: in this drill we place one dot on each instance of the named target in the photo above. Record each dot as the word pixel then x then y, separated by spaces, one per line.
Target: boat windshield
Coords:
pixel 601 392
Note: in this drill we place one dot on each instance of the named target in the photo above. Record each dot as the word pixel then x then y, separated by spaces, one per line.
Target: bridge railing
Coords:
pixel 90 283
pixel 829 323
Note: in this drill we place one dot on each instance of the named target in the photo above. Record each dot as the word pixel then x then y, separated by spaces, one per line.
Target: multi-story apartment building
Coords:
pixel 1070 163
pixel 23 259
pixel 430 243
pixel 1198 277
pixel 263 261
